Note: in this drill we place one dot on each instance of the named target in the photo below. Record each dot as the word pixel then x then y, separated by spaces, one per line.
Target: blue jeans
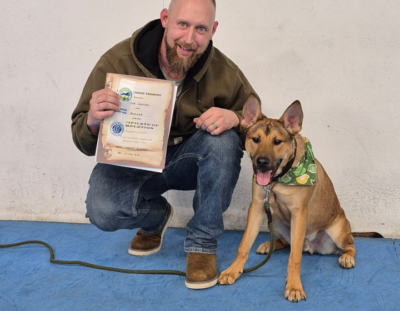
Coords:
pixel 126 198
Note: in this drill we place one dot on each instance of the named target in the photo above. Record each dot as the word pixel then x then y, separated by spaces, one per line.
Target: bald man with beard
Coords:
pixel 205 145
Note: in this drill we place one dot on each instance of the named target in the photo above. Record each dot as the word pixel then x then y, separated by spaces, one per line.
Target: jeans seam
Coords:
pixel 198 192
pixel 150 211
pixel 190 155
pixel 165 179
pixel 160 228
pixel 137 194
pixel 183 157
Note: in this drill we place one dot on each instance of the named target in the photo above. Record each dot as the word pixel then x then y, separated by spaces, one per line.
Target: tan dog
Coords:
pixel 305 217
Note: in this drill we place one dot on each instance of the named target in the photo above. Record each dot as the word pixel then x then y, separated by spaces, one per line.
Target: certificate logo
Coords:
pixel 117 128
pixel 125 94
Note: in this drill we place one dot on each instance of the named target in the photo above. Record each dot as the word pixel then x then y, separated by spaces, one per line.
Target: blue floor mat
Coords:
pixel 30 282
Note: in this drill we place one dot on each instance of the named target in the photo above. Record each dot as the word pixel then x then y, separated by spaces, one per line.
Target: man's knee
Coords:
pixel 227 146
pixel 229 152
pixel 222 156
pixel 104 216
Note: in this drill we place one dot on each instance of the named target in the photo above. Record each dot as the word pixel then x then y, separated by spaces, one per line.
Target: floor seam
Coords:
pixel 395 250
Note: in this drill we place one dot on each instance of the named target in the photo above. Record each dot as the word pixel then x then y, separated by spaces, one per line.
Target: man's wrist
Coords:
pixel 237 126
pixel 93 130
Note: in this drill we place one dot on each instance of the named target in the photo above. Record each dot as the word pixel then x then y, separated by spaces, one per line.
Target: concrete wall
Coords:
pixel 339 58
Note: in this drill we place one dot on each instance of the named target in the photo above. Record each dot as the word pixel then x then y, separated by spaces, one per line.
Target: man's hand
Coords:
pixel 103 104
pixel 217 120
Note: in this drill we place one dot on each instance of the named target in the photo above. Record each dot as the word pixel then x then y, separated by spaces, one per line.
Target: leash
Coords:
pixel 128 271
pixel 267 208
pixel 82 263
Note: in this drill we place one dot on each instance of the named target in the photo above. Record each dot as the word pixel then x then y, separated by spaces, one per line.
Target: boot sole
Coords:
pixel 139 252
pixel 202 285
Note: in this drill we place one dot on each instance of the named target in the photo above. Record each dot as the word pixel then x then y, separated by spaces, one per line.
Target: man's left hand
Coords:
pixel 217 120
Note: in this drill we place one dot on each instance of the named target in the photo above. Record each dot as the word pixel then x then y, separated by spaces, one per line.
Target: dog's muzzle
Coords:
pixel 263 173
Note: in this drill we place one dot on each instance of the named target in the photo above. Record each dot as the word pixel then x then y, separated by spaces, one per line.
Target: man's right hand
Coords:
pixel 104 103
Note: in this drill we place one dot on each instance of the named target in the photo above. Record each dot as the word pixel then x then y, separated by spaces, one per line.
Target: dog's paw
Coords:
pixel 346 261
pixel 295 294
pixel 229 276
pixel 263 248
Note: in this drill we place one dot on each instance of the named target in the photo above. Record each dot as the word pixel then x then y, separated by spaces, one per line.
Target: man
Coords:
pixel 204 152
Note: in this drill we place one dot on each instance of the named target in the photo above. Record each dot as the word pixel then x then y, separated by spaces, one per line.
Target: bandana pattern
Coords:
pixel 305 174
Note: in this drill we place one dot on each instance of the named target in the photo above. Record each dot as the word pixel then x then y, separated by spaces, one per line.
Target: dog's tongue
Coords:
pixel 263 178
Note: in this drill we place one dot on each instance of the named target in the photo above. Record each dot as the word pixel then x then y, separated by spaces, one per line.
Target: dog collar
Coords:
pixel 305 174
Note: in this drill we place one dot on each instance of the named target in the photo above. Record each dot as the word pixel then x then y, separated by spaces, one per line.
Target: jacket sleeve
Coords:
pixel 84 140
pixel 243 89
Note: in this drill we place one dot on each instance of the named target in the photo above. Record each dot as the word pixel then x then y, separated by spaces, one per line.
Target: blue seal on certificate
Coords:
pixel 117 128
pixel 125 94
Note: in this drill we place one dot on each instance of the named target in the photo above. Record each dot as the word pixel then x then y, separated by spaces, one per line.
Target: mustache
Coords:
pixel 193 46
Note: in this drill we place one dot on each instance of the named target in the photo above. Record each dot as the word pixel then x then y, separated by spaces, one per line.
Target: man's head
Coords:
pixel 189 26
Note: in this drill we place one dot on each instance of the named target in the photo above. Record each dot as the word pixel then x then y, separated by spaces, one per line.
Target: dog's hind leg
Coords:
pixel 282 233
pixel 340 233
pixel 278 244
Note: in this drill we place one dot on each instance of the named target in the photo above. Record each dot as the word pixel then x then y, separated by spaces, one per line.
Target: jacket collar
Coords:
pixel 146 43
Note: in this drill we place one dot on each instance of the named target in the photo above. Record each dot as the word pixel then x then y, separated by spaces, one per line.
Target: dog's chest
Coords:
pixel 280 208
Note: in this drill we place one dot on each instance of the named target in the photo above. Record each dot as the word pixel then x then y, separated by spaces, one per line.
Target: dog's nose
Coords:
pixel 262 162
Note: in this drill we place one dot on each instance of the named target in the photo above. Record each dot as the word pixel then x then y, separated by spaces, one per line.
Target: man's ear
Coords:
pixel 164 17
pixel 251 112
pixel 214 29
pixel 292 118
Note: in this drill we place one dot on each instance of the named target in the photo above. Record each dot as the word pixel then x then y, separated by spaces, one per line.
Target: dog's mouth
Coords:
pixel 264 178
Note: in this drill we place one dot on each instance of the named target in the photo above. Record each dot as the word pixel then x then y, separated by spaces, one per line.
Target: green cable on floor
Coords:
pixel 128 271
pixel 82 263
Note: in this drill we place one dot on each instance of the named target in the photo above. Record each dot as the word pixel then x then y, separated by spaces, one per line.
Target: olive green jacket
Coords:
pixel 214 81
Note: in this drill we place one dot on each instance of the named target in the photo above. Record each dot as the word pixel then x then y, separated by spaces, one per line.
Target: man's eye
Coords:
pixel 182 24
pixel 277 142
pixel 256 139
pixel 201 29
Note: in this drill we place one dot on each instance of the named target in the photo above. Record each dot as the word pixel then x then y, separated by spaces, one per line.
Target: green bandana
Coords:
pixel 305 174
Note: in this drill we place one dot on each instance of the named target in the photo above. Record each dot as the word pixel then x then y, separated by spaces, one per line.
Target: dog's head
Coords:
pixel 270 142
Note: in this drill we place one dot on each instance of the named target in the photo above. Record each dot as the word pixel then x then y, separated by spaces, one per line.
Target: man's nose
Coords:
pixel 189 35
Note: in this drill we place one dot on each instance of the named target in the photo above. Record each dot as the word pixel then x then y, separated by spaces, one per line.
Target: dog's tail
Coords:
pixel 367 234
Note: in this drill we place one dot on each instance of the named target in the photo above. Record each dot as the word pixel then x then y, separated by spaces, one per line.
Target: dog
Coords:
pixel 307 216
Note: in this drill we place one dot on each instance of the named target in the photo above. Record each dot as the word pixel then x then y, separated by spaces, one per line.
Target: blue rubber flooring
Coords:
pixel 28 281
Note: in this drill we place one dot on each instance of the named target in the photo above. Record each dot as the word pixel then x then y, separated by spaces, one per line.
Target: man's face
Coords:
pixel 178 63
pixel 189 27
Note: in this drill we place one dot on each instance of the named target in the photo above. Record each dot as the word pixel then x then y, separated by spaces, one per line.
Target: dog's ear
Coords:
pixel 251 112
pixel 292 118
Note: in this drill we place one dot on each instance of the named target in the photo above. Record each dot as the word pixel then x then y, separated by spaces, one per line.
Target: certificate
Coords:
pixel 136 136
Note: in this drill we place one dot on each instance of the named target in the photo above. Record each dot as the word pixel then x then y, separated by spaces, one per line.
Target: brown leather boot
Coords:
pixel 201 270
pixel 143 245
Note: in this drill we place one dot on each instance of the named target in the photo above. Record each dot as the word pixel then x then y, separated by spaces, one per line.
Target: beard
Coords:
pixel 180 64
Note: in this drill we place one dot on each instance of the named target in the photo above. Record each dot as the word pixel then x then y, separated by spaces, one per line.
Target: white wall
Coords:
pixel 340 58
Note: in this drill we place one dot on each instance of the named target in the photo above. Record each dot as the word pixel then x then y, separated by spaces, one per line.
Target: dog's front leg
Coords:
pixel 254 220
pixel 298 223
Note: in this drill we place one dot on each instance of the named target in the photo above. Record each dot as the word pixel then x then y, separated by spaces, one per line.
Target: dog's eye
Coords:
pixel 277 142
pixel 256 139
